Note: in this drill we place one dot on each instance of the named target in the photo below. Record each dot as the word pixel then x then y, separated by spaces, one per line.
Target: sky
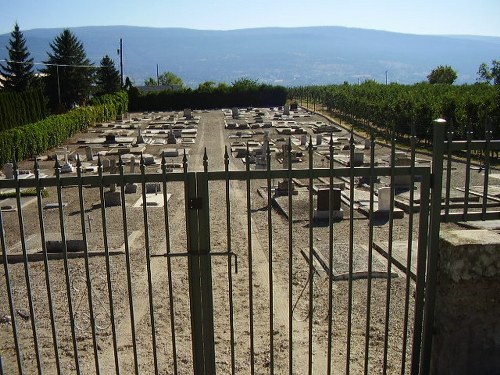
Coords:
pixel 438 17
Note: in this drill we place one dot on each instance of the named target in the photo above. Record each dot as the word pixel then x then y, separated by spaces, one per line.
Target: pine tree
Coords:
pixel 69 73
pixel 18 72
pixel 108 77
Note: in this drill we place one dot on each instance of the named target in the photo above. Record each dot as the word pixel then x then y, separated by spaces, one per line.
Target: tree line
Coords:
pixel 68 77
pixel 410 109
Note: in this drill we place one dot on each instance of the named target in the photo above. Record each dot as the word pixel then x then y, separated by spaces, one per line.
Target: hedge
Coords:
pixel 30 140
pixel 21 108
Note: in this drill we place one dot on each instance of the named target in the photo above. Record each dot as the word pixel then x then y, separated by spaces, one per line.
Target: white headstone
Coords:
pixel 384 199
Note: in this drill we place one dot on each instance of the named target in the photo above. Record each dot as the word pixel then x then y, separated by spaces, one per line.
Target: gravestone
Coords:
pixel 402 181
pixel 148 159
pixel 368 144
pixel 140 138
pixel 153 188
pixel 286 187
pixel 358 158
pixel 106 165
pixel 89 154
pixel 8 170
pixel 319 139
pixel 112 197
pixel 171 140
pixel 67 166
pixel 286 110
pixel 322 210
pixel 235 112
pixel 303 139
pixel 384 199
pixel 187 113
pixel 285 150
pixel 131 187
pixel 110 139
pixel 113 168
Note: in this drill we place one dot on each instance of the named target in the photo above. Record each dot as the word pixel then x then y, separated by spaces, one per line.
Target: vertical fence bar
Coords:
pixel 6 270
pixel 290 266
pixel 330 261
pixel 370 253
pixel 409 251
pixel 448 173
pixel 435 220
pixel 169 262
pixel 148 263
pixel 488 135
pixel 27 269
pixel 423 233
pixel 127 259
pixel 205 264
pixel 351 252
pixel 46 267
pixel 87 268
pixel 467 170
pixel 194 274
pixel 229 261
pixel 311 266
pixel 270 265
pixel 66 267
pixel 250 263
pixel 389 254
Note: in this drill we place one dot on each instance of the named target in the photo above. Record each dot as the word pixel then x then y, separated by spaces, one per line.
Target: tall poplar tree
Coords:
pixel 17 73
pixel 108 77
pixel 69 73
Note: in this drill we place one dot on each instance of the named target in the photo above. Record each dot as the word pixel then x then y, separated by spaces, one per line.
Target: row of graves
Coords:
pixel 146 139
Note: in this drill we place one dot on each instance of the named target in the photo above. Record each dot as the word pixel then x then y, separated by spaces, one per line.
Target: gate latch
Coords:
pixel 195 203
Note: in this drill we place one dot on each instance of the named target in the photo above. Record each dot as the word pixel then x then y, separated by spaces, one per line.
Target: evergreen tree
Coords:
pixel 108 77
pixel 69 74
pixel 18 72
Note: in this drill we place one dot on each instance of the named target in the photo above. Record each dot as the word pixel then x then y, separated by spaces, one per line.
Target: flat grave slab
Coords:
pixel 400 255
pixel 152 200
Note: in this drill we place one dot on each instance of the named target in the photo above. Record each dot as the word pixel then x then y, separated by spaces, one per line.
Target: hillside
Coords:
pixel 288 56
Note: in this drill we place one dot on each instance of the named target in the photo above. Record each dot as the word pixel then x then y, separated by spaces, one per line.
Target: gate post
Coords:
pixel 200 273
pixel 433 250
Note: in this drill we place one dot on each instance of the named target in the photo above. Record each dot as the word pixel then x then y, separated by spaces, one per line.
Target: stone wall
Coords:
pixel 467 316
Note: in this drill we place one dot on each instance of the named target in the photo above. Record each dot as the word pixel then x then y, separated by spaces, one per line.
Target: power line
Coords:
pixel 48 64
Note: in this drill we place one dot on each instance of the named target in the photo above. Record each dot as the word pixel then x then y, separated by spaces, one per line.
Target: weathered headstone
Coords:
pixel 187 113
pixel 106 165
pixel 402 181
pixel 140 138
pixel 130 187
pixel 153 188
pixel 319 139
pixel 286 110
pixel 112 198
pixel 303 139
pixel 171 140
pixel 8 170
pixel 384 199
pixel 323 204
pixel 235 112
pixel 358 158
pixel 110 139
pixel 89 154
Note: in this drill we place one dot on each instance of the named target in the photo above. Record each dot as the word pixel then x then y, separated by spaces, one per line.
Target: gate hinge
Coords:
pixel 195 203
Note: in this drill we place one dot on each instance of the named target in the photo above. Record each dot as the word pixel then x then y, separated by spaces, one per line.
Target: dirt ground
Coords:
pixel 154 336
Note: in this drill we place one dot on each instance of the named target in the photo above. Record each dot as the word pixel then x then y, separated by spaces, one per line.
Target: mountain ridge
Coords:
pixel 288 56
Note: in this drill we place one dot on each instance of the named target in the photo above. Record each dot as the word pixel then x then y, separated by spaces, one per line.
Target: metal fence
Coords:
pixel 223 271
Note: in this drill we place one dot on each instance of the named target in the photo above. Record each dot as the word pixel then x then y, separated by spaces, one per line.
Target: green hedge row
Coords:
pixel 218 97
pixel 21 108
pixel 33 139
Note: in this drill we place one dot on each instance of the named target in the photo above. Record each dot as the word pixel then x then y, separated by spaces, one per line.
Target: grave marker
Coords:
pixel 8 170
pixel 88 153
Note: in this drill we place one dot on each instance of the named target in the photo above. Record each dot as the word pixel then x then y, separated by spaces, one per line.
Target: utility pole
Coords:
pixel 157 76
pixel 120 51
